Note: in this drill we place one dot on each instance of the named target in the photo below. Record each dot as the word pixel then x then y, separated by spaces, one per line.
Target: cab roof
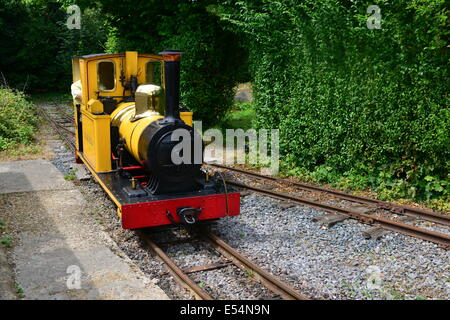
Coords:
pixel 96 55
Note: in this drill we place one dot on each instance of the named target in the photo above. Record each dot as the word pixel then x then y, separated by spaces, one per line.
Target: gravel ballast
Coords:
pixel 335 263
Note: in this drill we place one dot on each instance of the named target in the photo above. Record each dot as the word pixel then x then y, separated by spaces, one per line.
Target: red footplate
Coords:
pixel 154 213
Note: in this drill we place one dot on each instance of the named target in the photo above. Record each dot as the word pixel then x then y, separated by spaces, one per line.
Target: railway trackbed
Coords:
pixel 277 287
pixel 442 239
pixel 57 123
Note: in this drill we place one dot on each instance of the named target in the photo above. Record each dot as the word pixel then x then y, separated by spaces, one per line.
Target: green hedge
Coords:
pixel 18 119
pixel 366 107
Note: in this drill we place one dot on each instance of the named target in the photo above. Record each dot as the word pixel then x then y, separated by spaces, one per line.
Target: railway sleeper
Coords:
pixel 286 204
pixel 207 267
pixel 330 219
pixel 376 233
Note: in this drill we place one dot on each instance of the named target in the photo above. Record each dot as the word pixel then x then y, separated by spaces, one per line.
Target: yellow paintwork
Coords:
pixel 131 130
pixel 96 127
pixel 96 140
pixel 95 106
pixel 186 116
pixel 92 67
pixel 84 83
pixel 143 59
pixel 133 63
pixel 131 58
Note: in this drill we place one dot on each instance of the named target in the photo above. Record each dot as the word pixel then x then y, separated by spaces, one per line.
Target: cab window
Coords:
pixel 106 76
pixel 153 72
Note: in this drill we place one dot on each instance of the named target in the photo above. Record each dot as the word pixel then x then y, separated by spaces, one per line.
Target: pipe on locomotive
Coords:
pixel 172 84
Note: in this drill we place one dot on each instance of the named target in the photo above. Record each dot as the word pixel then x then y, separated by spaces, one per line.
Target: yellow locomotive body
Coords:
pixel 124 121
pixel 100 75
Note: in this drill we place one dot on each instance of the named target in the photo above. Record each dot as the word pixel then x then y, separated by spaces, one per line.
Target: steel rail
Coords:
pixel 63 128
pixel 436 237
pixel 396 208
pixel 176 271
pixel 272 283
pixel 234 256
pixel 59 128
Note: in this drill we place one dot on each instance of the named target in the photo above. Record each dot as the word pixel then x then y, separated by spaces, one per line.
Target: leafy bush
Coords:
pixel 39 47
pixel 18 119
pixel 368 108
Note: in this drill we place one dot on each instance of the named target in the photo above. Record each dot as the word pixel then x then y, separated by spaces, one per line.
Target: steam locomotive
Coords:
pixel 127 125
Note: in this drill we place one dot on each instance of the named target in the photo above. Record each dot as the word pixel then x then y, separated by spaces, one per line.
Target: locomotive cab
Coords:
pixel 129 129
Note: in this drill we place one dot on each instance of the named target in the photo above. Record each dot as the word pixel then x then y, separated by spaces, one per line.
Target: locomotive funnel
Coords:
pixel 172 85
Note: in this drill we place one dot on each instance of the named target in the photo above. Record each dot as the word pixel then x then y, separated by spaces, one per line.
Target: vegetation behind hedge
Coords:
pixel 214 60
pixel 361 107
pixel 38 47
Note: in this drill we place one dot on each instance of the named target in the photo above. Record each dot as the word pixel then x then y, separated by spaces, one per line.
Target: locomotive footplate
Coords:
pixel 140 209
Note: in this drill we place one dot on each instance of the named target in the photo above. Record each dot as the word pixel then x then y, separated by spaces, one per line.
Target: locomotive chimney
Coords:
pixel 172 85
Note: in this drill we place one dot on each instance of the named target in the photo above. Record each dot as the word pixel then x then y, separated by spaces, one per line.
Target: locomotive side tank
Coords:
pixel 126 132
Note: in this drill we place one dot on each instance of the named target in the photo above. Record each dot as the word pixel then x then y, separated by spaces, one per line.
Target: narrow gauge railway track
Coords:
pixel 65 133
pixel 441 239
pixel 269 281
pixel 399 209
